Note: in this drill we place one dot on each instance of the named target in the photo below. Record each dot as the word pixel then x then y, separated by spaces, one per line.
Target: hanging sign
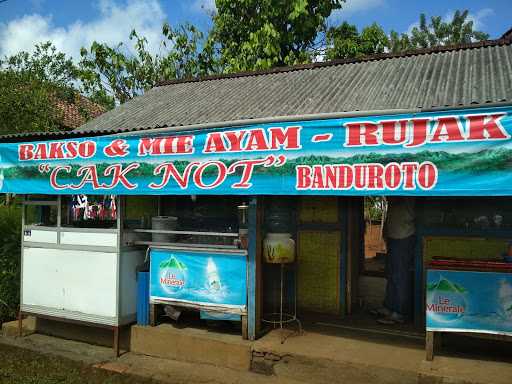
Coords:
pixel 464 152
pixel 466 301
pixel 207 280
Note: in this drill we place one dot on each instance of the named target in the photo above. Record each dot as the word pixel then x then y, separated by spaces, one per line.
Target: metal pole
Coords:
pixel 282 294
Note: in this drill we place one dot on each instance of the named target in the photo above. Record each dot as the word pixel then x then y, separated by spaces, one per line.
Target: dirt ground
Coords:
pixel 23 366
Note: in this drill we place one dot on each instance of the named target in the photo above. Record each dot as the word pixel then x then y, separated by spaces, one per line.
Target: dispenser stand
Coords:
pixel 281 318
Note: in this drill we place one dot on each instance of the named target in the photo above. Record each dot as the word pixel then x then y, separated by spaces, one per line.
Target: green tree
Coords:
pixel 118 74
pixel 24 105
pixel 345 42
pixel 45 63
pixel 28 82
pixel 10 225
pixel 260 34
pixel 458 30
pixel 32 84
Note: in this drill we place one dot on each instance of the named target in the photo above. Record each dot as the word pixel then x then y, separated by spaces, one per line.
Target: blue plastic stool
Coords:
pixel 143 298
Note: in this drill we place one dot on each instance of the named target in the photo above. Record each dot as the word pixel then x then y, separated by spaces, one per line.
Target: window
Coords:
pixel 466 213
pixel 139 210
pixel 89 211
pixel 41 215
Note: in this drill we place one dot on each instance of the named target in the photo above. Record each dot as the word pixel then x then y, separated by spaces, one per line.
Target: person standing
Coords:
pixel 399 233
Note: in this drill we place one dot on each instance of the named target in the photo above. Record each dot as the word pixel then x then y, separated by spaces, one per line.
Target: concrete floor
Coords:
pixel 332 354
pixel 323 353
pixel 164 370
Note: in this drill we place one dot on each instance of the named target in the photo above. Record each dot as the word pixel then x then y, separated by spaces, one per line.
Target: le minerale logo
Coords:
pixel 445 305
pixel 172 273
pixel 446 298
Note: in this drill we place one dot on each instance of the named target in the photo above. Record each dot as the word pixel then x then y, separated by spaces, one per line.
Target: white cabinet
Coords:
pixel 85 277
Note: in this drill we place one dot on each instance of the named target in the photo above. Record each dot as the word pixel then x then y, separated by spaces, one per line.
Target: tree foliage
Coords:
pixel 31 83
pixel 251 35
pixel 24 105
pixel 10 226
pixel 261 34
pixel 345 42
pixel 118 74
pixel 458 30
pixel 28 82
pixel 45 63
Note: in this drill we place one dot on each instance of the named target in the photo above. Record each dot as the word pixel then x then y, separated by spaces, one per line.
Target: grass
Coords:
pixel 22 366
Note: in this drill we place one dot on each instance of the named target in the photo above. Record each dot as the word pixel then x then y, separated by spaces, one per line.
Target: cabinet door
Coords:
pixel 70 281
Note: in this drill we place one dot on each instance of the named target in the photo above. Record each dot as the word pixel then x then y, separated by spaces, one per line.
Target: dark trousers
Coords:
pixel 399 272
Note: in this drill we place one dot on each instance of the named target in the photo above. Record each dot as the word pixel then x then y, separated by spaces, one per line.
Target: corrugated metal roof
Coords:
pixel 446 77
pixel 455 78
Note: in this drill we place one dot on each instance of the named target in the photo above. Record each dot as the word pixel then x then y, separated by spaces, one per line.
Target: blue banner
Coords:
pixel 453 153
pixel 466 301
pixel 209 280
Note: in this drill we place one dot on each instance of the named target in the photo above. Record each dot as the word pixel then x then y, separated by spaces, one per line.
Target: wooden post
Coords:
pixel 245 329
pixel 20 323
pixel 348 264
pixel 344 252
pixel 429 345
pixel 116 341
pixel 152 314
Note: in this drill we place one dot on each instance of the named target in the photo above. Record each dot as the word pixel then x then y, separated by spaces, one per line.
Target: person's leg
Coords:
pixel 393 284
pixel 392 263
pixel 387 304
pixel 405 276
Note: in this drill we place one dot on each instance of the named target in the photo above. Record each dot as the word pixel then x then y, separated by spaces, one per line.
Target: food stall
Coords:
pixel 76 263
pixel 84 252
pixel 210 262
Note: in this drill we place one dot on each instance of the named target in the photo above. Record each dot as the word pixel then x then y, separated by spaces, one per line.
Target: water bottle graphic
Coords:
pixel 505 299
pixel 212 275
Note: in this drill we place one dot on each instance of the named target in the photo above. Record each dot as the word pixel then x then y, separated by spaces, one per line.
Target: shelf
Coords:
pixel 165 232
pixel 194 247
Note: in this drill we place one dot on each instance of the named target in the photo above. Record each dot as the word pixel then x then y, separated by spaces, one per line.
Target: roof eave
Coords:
pixel 41 136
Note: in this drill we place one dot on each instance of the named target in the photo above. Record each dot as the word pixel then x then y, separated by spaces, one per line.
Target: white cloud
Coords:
pixel 478 18
pixel 113 25
pixel 207 6
pixel 354 6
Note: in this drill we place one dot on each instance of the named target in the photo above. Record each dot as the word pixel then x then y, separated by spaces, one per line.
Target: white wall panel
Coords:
pixel 70 280
pixel 89 238
pixel 38 236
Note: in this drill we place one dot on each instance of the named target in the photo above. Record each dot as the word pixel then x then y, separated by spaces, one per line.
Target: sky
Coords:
pixel 71 25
